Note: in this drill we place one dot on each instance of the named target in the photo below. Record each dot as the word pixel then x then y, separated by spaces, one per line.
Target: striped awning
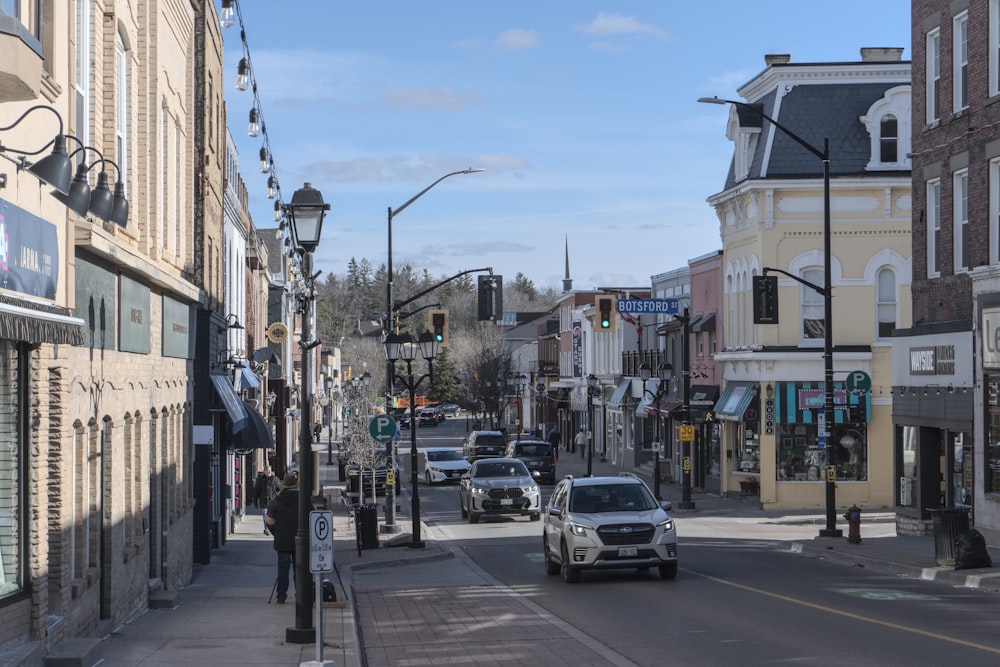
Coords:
pixel 800 402
pixel 734 402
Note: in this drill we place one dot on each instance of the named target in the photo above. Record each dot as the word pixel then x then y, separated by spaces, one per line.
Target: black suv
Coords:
pixel 538 456
pixel 483 444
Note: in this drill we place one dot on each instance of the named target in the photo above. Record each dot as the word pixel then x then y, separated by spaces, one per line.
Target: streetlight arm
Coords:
pixel 399 304
pixel 822 155
pixel 803 281
pixel 424 191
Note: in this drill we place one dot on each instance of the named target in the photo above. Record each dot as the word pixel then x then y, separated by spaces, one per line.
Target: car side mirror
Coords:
pixel 666 505
pixel 555 511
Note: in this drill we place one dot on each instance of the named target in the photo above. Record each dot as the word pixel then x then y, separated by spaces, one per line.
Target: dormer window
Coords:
pixel 888 126
pixel 743 130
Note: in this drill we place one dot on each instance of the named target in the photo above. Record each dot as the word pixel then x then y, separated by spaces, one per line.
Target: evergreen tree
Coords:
pixel 445 386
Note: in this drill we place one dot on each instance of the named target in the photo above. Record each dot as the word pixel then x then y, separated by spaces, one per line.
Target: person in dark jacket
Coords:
pixel 555 439
pixel 264 490
pixel 283 519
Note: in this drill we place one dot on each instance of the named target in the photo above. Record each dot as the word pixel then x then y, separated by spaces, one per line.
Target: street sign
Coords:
pixel 382 428
pixel 687 432
pixel 859 382
pixel 320 541
pixel 668 306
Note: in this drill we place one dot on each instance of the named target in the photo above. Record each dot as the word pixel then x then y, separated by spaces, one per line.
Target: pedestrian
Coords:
pixel 264 490
pixel 283 520
pixel 555 438
pixel 580 442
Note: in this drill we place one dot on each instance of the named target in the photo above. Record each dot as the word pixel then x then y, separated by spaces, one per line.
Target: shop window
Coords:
pixel 908 478
pixel 992 476
pixel 12 379
pixel 747 455
pixel 800 459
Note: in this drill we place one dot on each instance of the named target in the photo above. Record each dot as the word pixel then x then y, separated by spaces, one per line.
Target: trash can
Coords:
pixel 366 525
pixel 341 470
pixel 948 525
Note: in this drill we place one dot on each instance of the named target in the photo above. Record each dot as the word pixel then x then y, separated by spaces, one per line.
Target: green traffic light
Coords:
pixel 439 336
pixel 605 324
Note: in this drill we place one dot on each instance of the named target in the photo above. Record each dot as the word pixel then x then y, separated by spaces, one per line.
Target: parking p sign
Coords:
pixel 320 541
pixel 382 428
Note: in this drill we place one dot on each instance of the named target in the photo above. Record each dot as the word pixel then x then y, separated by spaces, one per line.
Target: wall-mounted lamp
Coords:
pixel 769 391
pixel 56 169
pixel 232 322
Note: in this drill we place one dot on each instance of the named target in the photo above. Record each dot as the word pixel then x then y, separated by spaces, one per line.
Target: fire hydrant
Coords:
pixel 853 516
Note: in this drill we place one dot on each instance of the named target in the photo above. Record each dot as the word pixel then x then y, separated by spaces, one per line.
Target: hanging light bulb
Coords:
pixel 270 187
pixel 226 15
pixel 254 128
pixel 265 161
pixel 242 75
pixel 277 213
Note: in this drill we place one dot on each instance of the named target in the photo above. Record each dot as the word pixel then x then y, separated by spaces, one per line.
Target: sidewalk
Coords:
pixel 407 608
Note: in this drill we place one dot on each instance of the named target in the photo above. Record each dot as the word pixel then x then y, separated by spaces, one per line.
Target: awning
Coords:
pixel 618 395
pixel 32 322
pixel 230 401
pixel 706 323
pixel 245 377
pixel 703 395
pixel 256 434
pixel 646 401
pixel 663 407
pixel 734 402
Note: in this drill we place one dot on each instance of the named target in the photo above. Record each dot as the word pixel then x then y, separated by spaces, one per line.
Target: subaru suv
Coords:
pixel 482 444
pixel 596 523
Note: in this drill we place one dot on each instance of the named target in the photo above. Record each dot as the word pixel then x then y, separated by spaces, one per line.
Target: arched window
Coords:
pixel 813 316
pixel 888 125
pixel 888 139
pixel 885 302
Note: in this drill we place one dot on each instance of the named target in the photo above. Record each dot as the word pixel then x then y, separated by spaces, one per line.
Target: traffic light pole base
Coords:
pixel 300 635
pixel 831 532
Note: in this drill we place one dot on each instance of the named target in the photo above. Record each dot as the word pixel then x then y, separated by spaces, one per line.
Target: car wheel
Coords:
pixel 570 574
pixel 427 477
pixel 461 506
pixel 473 517
pixel 551 567
pixel 669 570
pixel 536 516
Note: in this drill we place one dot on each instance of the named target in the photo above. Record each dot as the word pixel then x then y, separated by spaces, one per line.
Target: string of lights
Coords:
pixel 256 127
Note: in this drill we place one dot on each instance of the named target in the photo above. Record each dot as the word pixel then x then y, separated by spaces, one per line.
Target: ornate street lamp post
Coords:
pixel 589 441
pixel 663 373
pixel 305 215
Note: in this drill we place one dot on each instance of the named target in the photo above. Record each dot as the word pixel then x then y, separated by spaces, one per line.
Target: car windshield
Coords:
pixel 533 449
pixel 444 455
pixel 611 498
pixel 501 469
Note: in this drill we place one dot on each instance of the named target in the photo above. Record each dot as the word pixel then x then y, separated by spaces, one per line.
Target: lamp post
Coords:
pixel 664 372
pixel 400 347
pixel 520 383
pixel 305 215
pixel 828 417
pixel 589 440
pixel 389 327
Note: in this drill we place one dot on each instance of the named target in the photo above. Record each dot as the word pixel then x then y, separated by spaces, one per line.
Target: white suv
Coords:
pixel 607 523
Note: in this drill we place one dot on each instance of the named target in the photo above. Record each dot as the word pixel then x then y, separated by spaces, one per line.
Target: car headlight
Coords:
pixel 577 529
pixel 667 524
pixel 531 489
pixel 479 490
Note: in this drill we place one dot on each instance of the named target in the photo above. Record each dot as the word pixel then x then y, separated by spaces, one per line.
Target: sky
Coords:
pixel 582 114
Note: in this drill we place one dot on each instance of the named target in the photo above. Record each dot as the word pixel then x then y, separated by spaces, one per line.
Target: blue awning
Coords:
pixel 618 395
pixel 256 435
pixel 735 399
pixel 245 377
pixel 230 401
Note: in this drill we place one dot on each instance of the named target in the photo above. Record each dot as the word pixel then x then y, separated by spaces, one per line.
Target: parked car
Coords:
pixel 604 523
pixel 403 419
pixel 538 455
pixel 481 444
pixel 430 416
pixel 450 409
pixel 444 464
pixel 498 486
pixel 381 471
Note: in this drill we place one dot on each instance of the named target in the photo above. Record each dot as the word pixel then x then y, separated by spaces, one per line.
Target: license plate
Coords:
pixel 628 552
pixel 506 501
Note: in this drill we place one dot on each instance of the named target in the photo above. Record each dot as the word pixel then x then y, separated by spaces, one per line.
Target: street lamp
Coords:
pixel 389 327
pixel 305 216
pixel 520 383
pixel 664 372
pixel 589 442
pixel 400 347
pixel 828 417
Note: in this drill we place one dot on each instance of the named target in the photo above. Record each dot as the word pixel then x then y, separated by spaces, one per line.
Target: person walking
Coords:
pixel 264 490
pixel 555 438
pixel 283 519
pixel 580 442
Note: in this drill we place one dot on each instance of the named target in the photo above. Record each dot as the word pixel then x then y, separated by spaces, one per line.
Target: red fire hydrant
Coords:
pixel 853 516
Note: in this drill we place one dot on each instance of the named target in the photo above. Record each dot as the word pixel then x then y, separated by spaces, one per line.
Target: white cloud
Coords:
pixel 617 24
pixel 517 39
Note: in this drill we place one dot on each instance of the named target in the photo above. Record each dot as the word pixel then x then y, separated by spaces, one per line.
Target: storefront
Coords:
pixel 707 473
pixel 738 408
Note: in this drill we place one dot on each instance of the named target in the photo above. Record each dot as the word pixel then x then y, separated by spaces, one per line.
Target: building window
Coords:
pixel 888 125
pixel 992 474
pixel 932 94
pixel 995 211
pixel 81 80
pixel 122 81
pixel 13 383
pixel 994 47
pixel 960 62
pixel 933 227
pixel 960 182
pixel 813 312
pixel 885 299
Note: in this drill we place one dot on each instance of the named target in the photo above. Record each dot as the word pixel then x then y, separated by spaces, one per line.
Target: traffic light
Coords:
pixel 490 295
pixel 437 321
pixel 604 305
pixel 765 299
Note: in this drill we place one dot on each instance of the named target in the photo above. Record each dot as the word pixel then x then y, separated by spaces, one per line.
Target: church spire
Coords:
pixel 567 281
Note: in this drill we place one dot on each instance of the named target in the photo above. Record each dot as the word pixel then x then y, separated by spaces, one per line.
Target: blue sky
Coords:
pixel 583 115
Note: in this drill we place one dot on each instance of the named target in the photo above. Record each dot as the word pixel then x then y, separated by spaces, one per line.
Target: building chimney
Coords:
pixel 881 54
pixel 777 58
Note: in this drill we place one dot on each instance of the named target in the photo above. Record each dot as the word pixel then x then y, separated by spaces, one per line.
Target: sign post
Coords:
pixel 320 561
